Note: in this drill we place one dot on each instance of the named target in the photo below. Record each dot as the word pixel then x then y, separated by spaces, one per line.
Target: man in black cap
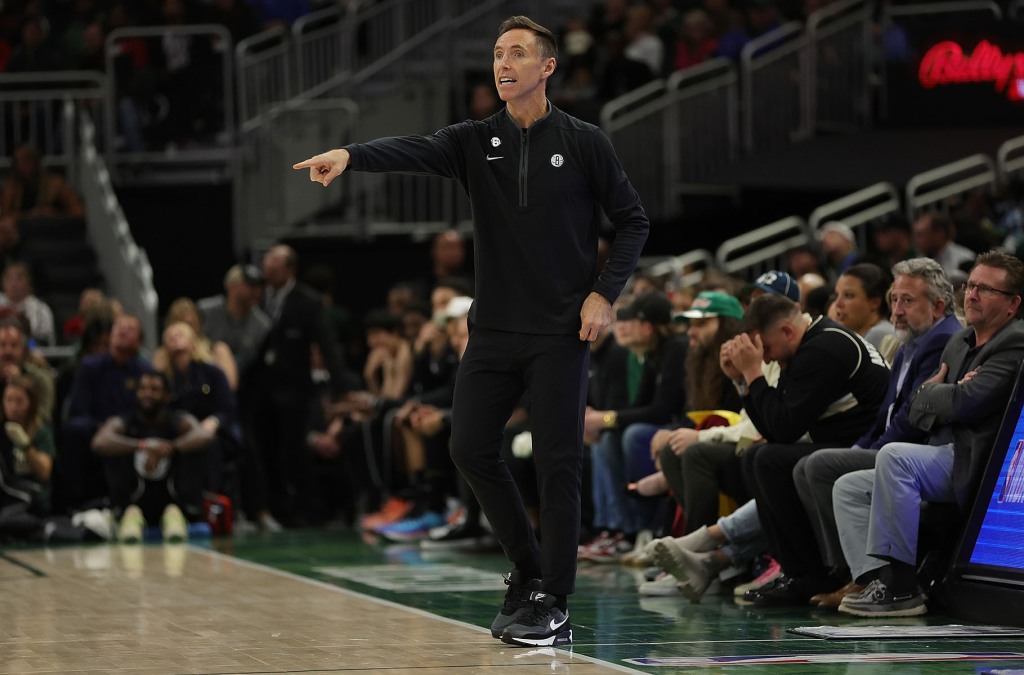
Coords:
pixel 656 373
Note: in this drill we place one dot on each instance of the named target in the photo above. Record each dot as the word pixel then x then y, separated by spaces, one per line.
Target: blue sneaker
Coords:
pixel 412 529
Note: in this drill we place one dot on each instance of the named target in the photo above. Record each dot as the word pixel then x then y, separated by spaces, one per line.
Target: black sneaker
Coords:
pixel 786 592
pixel 542 625
pixel 517 601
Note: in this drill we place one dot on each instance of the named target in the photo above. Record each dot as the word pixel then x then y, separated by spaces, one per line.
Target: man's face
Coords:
pixel 926 238
pixel 702 331
pixel 238 292
pixel 15 284
pixel 519 70
pixel 775 340
pixel 913 312
pixel 12 345
pixel 988 303
pixel 275 267
pixel 126 335
pixel 150 393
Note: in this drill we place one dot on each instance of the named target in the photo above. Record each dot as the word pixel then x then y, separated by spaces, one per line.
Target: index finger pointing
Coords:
pixel 307 164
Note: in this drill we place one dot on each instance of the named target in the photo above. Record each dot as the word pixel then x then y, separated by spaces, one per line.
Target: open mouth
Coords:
pixel 506 80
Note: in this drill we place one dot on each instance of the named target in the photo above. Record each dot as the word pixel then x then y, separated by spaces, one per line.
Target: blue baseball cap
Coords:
pixel 775 281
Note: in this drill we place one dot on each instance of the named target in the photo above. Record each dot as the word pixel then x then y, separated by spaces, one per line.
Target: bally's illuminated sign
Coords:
pixel 946 63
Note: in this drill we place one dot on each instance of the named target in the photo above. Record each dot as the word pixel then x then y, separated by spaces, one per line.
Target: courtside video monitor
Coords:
pixel 986 583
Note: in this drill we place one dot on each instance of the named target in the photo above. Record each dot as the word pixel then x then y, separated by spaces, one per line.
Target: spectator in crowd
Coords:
pixel 891 238
pixel 11 249
pixel 617 73
pixel 959 408
pixel 92 54
pixel 26 447
pixel 608 16
pixel 200 388
pixel 31 190
pixel 801 260
pixel 103 388
pixel 710 462
pixel 922 307
pixel 18 295
pixel 818 301
pixel 641 43
pixel 388 367
pixel 483 102
pixel 320 277
pixel 16 362
pixel 714 320
pixel 217 353
pixel 235 318
pixel 154 463
pixel 83 14
pixel 860 302
pixel 88 299
pixel 697 41
pixel 448 256
pixel 424 425
pixel 692 562
pixel 934 235
pixel 831 385
pixel 278 390
pixel 759 18
pixel 36 53
pixel 839 245
pixel 808 283
pixel 621 452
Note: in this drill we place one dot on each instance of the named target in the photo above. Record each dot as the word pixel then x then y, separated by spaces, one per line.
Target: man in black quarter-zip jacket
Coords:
pixel 537 179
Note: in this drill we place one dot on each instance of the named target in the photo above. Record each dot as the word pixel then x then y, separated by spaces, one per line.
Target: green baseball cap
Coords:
pixel 713 303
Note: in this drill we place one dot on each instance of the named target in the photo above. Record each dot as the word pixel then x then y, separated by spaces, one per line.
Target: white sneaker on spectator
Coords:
pixel 269 524
pixel 664 586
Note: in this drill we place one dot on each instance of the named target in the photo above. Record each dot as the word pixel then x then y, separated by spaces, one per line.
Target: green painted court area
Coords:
pixel 614 624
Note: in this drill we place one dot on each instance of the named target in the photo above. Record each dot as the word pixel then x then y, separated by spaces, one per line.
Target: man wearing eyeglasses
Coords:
pixel 960 407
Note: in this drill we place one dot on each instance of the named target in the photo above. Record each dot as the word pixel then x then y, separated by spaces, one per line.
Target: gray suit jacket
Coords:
pixel 973 409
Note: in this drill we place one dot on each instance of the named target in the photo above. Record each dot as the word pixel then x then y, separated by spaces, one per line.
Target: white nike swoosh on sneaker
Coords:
pixel 552 626
pixel 491 159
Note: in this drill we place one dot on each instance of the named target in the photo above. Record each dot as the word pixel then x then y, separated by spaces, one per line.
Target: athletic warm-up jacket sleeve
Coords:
pixel 438 154
pixel 621 204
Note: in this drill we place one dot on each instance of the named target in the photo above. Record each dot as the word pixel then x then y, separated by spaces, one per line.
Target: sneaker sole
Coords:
pixel 910 611
pixel 557 640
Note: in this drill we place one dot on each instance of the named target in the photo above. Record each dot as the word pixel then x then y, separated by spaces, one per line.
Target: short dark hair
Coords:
pixel 158 374
pixel 382 319
pixel 767 310
pixel 1004 261
pixel 545 38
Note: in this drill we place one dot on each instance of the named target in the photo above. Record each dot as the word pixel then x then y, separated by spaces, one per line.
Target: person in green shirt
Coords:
pixel 26 447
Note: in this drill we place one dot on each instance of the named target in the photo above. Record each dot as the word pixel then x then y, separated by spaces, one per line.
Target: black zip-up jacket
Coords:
pixel 536 195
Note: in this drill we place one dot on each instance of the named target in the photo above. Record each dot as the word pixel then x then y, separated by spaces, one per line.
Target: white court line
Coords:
pixel 394 605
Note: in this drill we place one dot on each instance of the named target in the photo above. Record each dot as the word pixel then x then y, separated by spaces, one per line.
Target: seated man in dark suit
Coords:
pixel 878 510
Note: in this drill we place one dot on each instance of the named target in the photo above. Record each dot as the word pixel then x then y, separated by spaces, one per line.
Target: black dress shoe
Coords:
pixel 786 592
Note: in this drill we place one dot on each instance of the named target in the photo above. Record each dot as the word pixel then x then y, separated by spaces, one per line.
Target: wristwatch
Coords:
pixel 610 419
